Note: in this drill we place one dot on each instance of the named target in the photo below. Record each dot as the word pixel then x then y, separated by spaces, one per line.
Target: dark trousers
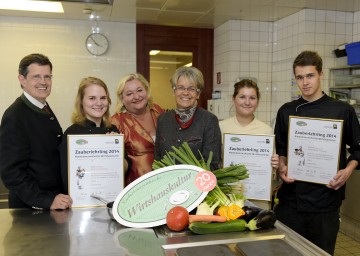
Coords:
pixel 320 228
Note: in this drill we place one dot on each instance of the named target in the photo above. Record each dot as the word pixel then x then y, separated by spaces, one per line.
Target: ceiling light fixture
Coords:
pixel 154 52
pixel 188 65
pixel 34 6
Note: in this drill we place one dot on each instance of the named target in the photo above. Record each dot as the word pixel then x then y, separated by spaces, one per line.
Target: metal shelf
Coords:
pixel 356 86
pixel 350 72
pixel 346 67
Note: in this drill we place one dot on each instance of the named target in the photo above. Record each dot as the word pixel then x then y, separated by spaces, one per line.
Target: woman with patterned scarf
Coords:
pixel 188 122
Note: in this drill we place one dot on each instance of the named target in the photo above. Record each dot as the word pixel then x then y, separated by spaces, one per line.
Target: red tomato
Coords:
pixel 177 218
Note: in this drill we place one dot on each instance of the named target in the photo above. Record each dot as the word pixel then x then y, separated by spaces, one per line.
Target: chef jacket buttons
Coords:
pixel 52 118
pixel 180 129
pixel 178 140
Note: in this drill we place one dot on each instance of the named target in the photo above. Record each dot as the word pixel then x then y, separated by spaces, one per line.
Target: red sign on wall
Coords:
pixel 218 78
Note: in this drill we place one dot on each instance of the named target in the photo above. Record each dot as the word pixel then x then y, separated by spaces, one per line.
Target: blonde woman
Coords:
pixel 90 116
pixel 136 117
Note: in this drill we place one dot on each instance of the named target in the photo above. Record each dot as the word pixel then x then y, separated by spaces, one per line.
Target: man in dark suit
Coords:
pixel 29 139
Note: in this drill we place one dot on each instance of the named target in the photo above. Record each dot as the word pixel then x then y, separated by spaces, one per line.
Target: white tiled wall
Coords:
pixel 266 50
pixel 316 30
pixel 244 49
pixel 356 27
pixel 63 41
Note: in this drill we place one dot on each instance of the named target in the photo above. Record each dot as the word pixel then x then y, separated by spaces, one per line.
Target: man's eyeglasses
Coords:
pixel 190 89
pixel 38 78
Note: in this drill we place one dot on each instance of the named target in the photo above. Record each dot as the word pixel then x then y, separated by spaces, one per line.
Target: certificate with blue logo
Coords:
pixel 95 167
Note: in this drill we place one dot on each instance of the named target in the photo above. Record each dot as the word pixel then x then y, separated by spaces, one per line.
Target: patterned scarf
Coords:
pixel 186 114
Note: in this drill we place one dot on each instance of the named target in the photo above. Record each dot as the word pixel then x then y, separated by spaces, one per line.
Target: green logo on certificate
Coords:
pixel 81 142
pixel 235 139
pixel 301 123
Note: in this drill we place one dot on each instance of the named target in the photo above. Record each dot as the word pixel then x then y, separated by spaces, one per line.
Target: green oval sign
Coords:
pixel 146 201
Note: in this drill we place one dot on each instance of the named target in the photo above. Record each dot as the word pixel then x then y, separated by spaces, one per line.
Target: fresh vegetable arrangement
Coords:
pixel 227 178
pixel 223 208
pixel 210 224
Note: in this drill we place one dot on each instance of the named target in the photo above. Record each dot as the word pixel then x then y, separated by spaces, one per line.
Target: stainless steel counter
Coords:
pixel 92 232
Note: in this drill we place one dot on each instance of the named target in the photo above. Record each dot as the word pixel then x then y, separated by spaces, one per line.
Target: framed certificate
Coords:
pixel 254 151
pixel 313 148
pixel 95 166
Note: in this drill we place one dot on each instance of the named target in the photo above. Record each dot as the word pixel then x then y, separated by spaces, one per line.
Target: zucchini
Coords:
pixel 265 219
pixel 204 228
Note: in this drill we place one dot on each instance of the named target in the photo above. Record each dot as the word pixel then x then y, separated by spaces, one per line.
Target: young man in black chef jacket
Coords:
pixel 29 138
pixel 312 210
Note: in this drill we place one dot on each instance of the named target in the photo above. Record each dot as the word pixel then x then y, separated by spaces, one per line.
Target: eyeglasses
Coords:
pixel 38 78
pixel 190 89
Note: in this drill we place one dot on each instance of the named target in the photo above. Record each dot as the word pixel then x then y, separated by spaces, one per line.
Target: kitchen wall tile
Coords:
pixel 254 36
pixel 254 26
pixel 245 46
pixel 340 28
pixel 320 15
pixel 320 26
pixel 310 25
pixel 235 46
pixel 330 16
pixel 349 29
pixel 330 39
pixel 244 66
pixel 330 28
pixel 264 36
pixel 254 46
pixel 350 17
pixel 234 26
pixel 245 56
pixel 340 17
pixel 245 25
pixel 310 15
pixel 245 35
pixel 264 27
pixel 235 36
pixel 319 38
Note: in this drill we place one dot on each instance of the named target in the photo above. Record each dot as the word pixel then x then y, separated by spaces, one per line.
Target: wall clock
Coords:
pixel 97 44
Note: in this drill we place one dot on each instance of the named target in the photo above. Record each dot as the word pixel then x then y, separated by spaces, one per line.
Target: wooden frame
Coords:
pixel 196 40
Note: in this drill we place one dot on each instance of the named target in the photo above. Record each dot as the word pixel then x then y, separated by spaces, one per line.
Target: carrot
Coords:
pixel 206 218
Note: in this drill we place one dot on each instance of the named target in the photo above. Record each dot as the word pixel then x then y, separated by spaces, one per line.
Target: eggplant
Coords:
pixel 250 212
pixel 264 220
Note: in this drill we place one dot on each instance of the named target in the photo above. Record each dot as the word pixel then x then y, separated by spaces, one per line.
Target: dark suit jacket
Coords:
pixel 29 156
